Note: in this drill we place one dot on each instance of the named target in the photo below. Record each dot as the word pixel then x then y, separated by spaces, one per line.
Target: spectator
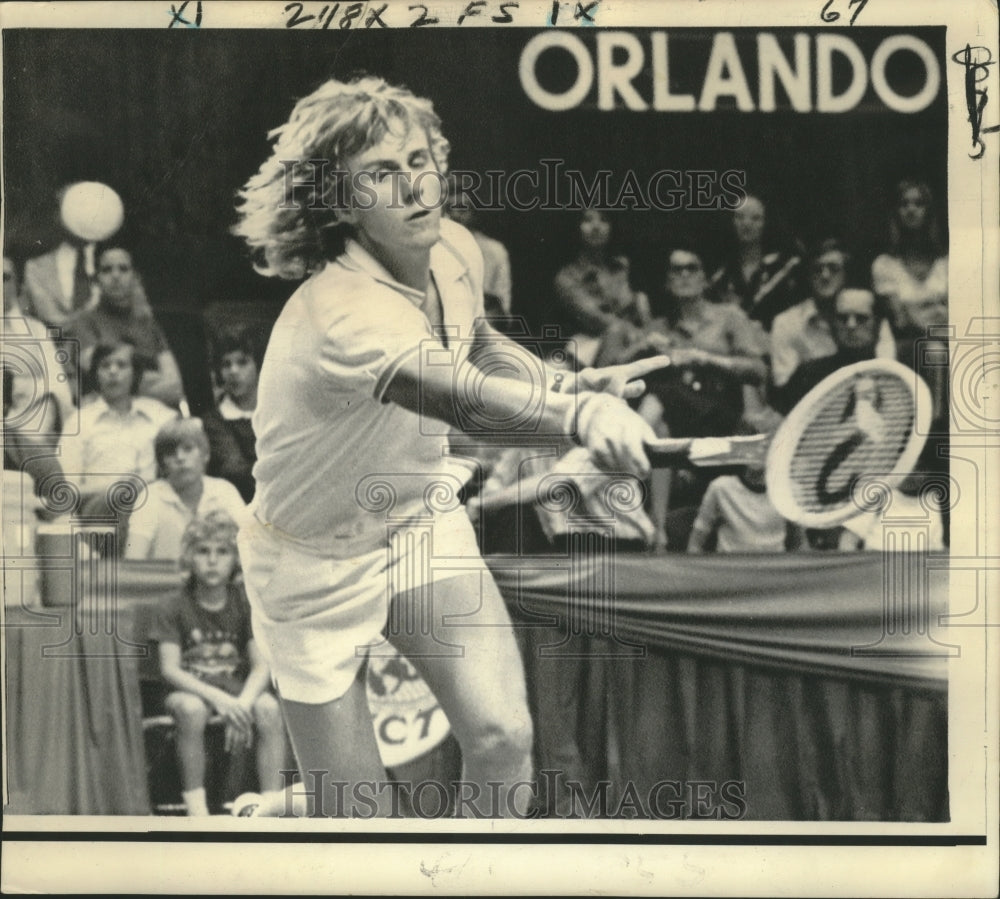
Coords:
pixel 912 275
pixel 857 322
pixel 738 516
pixel 717 356
pixel 41 400
pixel 22 509
pixel 230 435
pixel 805 331
pixel 29 455
pixel 913 278
pixel 496 261
pixel 503 506
pixel 123 314
pixel 594 292
pixel 759 278
pixel 114 443
pixel 210 662
pixel 61 283
pixel 518 474
pixel 922 341
pixel 181 494
pixel 713 348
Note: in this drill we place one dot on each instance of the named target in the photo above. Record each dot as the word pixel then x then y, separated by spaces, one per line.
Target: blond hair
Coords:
pixel 180 432
pixel 215 525
pixel 288 209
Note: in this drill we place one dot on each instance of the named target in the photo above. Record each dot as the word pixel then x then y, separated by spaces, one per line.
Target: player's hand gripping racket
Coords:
pixel 868 418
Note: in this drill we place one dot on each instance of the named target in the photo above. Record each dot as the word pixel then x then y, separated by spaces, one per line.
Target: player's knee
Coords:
pixel 188 710
pixel 267 713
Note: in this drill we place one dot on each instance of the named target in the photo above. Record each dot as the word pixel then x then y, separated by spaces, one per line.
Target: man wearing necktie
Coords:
pixel 60 283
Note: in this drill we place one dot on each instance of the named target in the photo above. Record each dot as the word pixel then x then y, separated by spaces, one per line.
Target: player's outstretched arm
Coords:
pixel 499 406
pixel 618 380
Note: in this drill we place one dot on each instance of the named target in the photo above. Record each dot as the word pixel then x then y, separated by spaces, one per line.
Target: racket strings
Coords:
pixel 861 429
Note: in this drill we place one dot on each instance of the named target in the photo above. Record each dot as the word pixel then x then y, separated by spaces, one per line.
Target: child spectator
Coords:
pixel 513 487
pixel 182 493
pixel 209 659
pixel 115 439
pixel 738 513
pixel 230 435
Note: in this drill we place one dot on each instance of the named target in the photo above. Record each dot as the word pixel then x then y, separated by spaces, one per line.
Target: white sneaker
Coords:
pixel 246 806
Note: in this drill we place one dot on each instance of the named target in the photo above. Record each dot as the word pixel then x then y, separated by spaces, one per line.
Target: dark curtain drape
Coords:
pixel 816 612
pixel 74 721
pixel 698 669
pixel 769 672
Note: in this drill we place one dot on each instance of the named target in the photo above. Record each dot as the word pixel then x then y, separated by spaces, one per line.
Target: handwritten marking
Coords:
pixel 423 19
pixel 585 14
pixel 375 15
pixel 297 17
pixel 505 16
pixel 351 14
pixel 976 70
pixel 471 9
pixel 179 13
pixel 831 15
pixel 378 13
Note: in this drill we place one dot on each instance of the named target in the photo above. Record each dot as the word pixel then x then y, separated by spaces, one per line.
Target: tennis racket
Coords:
pixel 870 418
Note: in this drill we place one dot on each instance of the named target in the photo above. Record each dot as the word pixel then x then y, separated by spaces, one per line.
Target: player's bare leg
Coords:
pixel 472 663
pixel 272 746
pixel 335 748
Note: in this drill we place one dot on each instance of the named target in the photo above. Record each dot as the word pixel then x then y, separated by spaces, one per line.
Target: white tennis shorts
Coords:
pixel 315 618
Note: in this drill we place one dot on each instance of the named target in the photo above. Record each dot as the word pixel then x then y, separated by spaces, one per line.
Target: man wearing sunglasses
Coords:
pixel 805 331
pixel 858 316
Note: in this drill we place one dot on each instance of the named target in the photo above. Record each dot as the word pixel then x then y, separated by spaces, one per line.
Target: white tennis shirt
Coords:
pixel 325 437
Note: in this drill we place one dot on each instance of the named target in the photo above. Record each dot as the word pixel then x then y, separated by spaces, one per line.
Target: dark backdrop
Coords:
pixel 176 120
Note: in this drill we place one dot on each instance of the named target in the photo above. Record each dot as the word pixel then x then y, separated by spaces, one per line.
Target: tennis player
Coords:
pixel 367 370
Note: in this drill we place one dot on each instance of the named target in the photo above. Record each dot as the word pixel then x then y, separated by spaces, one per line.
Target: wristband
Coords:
pixel 582 411
pixel 571 423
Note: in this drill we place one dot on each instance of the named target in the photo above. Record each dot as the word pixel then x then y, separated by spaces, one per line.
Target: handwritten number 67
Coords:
pixel 831 15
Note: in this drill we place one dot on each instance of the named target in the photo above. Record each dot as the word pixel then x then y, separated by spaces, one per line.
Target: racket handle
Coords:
pixel 670 452
pixel 708 452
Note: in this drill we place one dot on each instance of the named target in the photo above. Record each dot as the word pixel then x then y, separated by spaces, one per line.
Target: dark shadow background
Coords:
pixel 176 120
